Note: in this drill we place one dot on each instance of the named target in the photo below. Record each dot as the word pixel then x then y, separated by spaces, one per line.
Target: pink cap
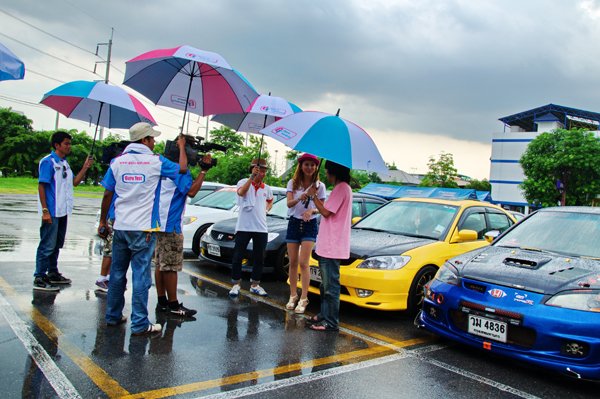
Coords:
pixel 308 157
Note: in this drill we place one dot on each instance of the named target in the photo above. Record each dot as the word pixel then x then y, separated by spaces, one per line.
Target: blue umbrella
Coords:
pixel 11 67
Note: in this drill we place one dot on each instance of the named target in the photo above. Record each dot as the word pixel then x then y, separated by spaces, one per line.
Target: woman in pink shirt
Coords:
pixel 333 243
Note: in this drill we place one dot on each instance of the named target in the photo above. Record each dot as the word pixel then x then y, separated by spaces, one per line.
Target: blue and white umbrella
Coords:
pixel 328 136
pixel 11 67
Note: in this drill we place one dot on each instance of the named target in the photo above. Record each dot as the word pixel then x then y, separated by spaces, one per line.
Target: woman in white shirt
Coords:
pixel 302 226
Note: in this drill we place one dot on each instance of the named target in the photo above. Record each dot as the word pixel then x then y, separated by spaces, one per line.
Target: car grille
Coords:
pixel 317 285
pixel 516 334
pixel 226 255
pixel 220 236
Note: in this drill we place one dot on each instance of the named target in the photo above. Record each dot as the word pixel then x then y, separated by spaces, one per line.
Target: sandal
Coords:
pixel 323 326
pixel 291 302
pixel 302 303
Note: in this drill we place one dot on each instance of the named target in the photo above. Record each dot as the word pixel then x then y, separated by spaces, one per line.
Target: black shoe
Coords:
pixel 41 284
pixel 162 308
pixel 57 278
pixel 181 310
pixel 122 320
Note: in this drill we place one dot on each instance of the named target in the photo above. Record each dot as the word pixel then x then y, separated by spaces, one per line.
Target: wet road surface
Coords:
pixel 57 344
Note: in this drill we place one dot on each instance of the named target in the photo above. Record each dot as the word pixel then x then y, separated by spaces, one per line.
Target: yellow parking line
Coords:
pixel 100 377
pixel 253 375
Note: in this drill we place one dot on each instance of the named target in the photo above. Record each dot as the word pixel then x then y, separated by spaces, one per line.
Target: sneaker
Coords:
pixel 57 278
pixel 258 290
pixel 152 329
pixel 122 320
pixel 181 310
pixel 162 308
pixel 101 286
pixel 40 283
pixel 235 290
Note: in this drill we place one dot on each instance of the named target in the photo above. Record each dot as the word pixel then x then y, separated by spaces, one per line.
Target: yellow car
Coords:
pixel 397 249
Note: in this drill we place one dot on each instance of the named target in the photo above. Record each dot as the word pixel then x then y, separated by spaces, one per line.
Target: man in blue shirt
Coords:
pixel 169 241
pixel 134 176
pixel 55 203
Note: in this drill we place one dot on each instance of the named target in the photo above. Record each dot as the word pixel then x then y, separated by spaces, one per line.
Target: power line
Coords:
pixel 48 33
pixel 29 70
pixel 22 102
pixel 48 54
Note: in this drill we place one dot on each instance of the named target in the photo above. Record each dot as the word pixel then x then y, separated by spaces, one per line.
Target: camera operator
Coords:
pixel 169 241
pixel 135 177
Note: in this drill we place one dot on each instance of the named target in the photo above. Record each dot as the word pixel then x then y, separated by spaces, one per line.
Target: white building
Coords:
pixel 520 129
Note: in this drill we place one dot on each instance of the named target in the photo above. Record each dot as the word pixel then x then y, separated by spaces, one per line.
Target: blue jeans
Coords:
pixel 52 238
pixel 137 248
pixel 330 291
pixel 259 244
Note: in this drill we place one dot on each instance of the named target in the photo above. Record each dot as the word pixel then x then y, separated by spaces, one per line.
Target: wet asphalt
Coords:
pixel 57 344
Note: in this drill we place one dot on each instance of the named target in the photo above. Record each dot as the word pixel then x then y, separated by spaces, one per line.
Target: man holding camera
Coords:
pixel 55 202
pixel 134 177
pixel 169 241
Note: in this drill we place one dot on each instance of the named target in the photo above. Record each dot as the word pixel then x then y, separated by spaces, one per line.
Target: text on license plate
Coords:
pixel 315 274
pixel 213 249
pixel 488 328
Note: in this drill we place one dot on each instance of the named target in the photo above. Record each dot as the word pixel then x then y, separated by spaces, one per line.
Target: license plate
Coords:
pixel 213 249
pixel 488 328
pixel 315 274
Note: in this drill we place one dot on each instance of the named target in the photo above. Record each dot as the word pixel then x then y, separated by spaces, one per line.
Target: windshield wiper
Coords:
pixel 417 236
pixel 371 229
pixel 276 216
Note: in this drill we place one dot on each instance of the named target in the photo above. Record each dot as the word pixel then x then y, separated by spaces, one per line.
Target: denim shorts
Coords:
pixel 298 230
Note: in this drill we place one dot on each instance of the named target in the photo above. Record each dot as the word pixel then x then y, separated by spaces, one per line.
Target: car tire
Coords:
pixel 416 295
pixel 282 264
pixel 197 236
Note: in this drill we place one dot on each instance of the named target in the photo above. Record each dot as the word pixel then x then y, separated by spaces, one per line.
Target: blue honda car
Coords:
pixel 533 295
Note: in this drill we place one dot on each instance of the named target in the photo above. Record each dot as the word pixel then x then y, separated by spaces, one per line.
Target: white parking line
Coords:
pixel 61 384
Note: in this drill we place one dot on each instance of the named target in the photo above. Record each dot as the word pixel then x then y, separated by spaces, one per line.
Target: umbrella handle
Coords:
pixel 313 182
pixel 96 131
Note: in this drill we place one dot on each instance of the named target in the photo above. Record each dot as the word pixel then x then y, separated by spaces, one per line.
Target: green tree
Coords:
pixel 571 157
pixel 479 185
pixel 442 172
pixel 229 138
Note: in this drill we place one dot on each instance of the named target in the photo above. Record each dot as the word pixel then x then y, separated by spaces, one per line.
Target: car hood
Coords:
pixel 227 226
pixel 195 210
pixel 365 243
pixel 541 272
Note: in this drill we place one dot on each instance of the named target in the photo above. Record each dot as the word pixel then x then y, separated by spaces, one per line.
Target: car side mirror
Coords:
pixel 465 236
pixel 356 219
pixel 491 235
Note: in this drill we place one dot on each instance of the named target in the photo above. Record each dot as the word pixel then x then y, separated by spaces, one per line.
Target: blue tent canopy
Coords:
pixel 389 191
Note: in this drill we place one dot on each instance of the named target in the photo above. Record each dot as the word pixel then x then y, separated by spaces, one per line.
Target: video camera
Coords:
pixel 113 150
pixel 194 150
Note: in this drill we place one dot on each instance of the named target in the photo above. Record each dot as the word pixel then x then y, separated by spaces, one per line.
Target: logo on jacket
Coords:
pixel 134 178
pixel 497 293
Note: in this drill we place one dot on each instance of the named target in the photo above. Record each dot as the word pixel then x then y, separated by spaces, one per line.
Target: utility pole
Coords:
pixel 107 62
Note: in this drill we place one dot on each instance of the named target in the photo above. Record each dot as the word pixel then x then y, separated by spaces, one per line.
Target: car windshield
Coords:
pixel 224 199
pixel 418 219
pixel 567 233
pixel 201 194
pixel 280 209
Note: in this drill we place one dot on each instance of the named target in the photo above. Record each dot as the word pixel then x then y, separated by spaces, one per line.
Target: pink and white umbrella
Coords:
pixel 97 102
pixel 193 80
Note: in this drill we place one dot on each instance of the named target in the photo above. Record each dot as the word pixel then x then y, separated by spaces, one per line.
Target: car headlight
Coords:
pixel 587 300
pixel 189 219
pixel 272 236
pixel 447 274
pixel 384 262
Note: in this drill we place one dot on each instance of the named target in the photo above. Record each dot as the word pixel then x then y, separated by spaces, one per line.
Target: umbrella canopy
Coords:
pixel 97 102
pixel 263 111
pixel 11 67
pixel 329 137
pixel 189 79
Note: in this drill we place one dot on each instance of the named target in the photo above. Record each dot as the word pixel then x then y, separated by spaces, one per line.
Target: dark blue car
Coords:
pixel 533 295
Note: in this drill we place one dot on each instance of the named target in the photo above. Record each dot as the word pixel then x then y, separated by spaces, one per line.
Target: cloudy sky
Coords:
pixel 421 77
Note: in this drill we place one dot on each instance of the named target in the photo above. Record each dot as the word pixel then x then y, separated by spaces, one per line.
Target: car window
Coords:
pixel 474 221
pixel 201 194
pixel 498 221
pixel 224 199
pixel 356 208
pixel 420 219
pixel 280 208
pixel 371 206
pixel 548 230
